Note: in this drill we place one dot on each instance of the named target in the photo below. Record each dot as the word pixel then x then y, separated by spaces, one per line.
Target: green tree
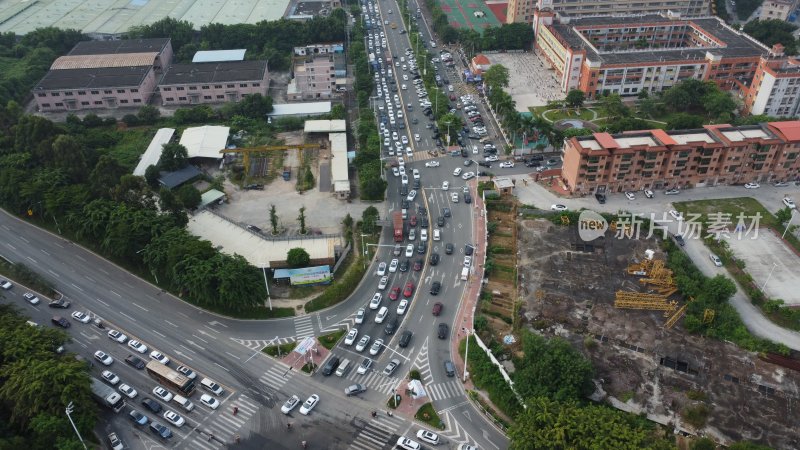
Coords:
pixel 105 175
pixel 148 114
pixel 450 123
pixel 368 219
pixel 613 108
pixel 773 31
pixel 338 112
pixel 496 76
pixel 189 196
pixel 552 368
pixel 744 445
pixel 703 443
pixel 273 219
pixel 783 215
pixel 575 98
pixel 151 175
pixel 298 257
pixel 684 121
pixel 301 219
pixel 174 156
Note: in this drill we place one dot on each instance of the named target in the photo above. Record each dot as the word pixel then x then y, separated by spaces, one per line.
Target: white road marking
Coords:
pixel 45 252
pixel 115 294
pixel 139 306
pixel 129 317
pixel 200 338
pixel 231 354
pixel 77 287
pixel 171 323
pixel 54 274
pixel 156 332
pixel 223 368
pixel 103 302
pixel 187 348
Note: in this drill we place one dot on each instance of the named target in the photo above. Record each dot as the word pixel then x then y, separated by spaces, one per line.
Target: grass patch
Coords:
pixel 414 375
pixel 696 416
pixel 330 339
pixel 568 113
pixel 625 396
pixel 733 206
pixel 278 351
pixel 305 291
pixel 498 420
pixel 428 415
pixel 24 275
pixel 342 288
pixel 128 150
pixel 486 377
pixel 309 367
pixel 696 395
pixel 394 403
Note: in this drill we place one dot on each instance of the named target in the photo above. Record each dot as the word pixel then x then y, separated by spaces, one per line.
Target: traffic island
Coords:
pixel 307 356
pixel 329 340
pixel 428 415
pixel 278 351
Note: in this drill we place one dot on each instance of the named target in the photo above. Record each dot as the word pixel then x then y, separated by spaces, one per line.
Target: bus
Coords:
pixel 170 379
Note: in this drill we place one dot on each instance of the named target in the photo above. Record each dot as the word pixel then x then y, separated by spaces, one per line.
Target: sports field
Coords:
pixel 469 14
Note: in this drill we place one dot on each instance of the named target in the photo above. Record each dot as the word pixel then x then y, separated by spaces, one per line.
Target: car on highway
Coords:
pixel 428 436
pixel 309 404
pixel 110 377
pixel 381 269
pixel 376 301
pixel 468 249
pixel 362 343
pixel 491 158
pixel 468 176
pixel 448 249
pixel 411 195
pixel 789 203
pixel 715 259
pixel 81 317
pixel 405 339
pixel 457 172
pixel 5 284
pixel 402 306
pixel 679 239
pixel 409 289
pixel 152 405
pixel 155 355
pixel 432 164
pixel 394 293
pixel 393 265
pixel 412 234
pixel 162 393
pixel 442 331
pixel 138 346
pixel 630 195
pixel 437 308
pixel 409 250
pixel 423 235
pixel 290 404
pixel 454 197
pixel 209 401
pixel 60 322
pixel 506 164
pixel 160 430
pixel 60 303
pixel 117 336
pixel 365 365
pixel 354 389
pixel 174 418
pixel 434 259
pixel 351 336
pixel 127 390
pixel 360 314
pixel 672 192
pixel 445 185
pixel 558 207
pixel 105 359
pixel 752 186
pixel 376 347
pixel 30 298
pixel 135 362
pixel 436 286
pixel 138 418
pixel 391 367
pixel 382 313
pixel 407 444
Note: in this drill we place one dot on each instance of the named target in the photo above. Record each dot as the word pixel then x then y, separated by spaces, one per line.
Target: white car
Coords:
pixel 103 358
pixel 432 164
pixel 382 284
pixel 209 401
pixel 789 203
pixel 364 366
pixel 423 235
pixel 405 77
pixel 404 139
pixel 363 343
pixel 630 195
pixel 491 158
pixel 648 193
pixel 415 173
pixel 376 300
pixel 30 298
pixel 127 390
pixel 457 172
pixel 156 355
pixel 81 317
pixel 506 164
pixel 309 404
pixel 428 436
pixel 454 197
pixel 111 377
pixel 290 404
pixel 412 234
pixel 393 265
pixel 409 152
pixel 412 194
pixel 376 347
pixel 5 284
pixel 752 186
pixel 675 214
pixel 468 176
pixel 403 87
pixel 401 307
pixel 351 336
pixel 395 171
pixel 381 316
pixel 467 261
pixel 381 269
pixel 715 259
pixel 416 137
pixel 162 393
pixel 115 335
pixel 558 208
pixel 409 250
pixel 360 314
pixel 445 185
pixel 174 418
pixel 138 346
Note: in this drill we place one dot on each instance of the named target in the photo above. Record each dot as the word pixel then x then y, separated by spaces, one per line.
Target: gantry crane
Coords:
pixel 247 151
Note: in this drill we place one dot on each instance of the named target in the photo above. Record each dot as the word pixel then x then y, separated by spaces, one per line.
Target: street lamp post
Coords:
pixel 266 284
pixel 788 224
pixel 774 265
pixel 69 410
pixel 364 249
pixel 466 352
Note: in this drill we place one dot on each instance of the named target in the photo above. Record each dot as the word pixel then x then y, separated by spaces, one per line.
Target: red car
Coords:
pixel 408 290
pixel 413 221
pixel 437 308
pixel 418 265
pixel 394 293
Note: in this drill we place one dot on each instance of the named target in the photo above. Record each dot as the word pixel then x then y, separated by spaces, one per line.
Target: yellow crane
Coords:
pixel 247 151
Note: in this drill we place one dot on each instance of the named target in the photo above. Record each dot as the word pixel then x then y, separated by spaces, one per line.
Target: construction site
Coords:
pixel 617 302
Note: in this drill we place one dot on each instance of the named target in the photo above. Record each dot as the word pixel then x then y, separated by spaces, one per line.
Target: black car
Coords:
pixel 537 158
pixel 468 249
pixel 448 249
pixel 422 211
pixel 464 153
pixel 468 162
pixel 152 405
pixel 137 417
pixel 405 339
pixel 404 265
pixel 61 322
pixel 404 190
pixel 424 222
pixel 601 198
pixel 440 221
pixel 60 303
pixel 532 164
pixel 330 366
pixel 254 187
pixel 679 239
pixel 404 204
pixel 420 248
pixel 446 212
pixel 434 259
pixel 443 331
pixel 391 327
pixel 436 287
pixel 485 164
pixel 417 183
pixel 135 362
pixel 467 198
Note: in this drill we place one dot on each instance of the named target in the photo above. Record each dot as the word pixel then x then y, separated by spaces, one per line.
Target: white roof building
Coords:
pixel 325 126
pixel 219 55
pixel 151 156
pixel 301 109
pixel 205 141
pixel 339 172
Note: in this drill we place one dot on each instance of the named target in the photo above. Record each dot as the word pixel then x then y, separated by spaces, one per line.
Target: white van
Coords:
pixel 381 316
pixel 437 235
pixel 344 367
pixel 465 274
pixel 185 403
pixel 210 385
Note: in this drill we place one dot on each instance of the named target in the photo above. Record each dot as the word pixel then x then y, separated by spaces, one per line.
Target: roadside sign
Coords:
pixel 305 345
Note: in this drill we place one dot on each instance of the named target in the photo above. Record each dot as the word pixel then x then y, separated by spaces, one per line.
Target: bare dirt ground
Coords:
pixel 640 367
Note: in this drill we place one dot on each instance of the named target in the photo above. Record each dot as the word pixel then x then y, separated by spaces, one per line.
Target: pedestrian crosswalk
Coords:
pixel 303 327
pixel 276 377
pixel 440 391
pixel 223 430
pixel 374 380
pixel 381 432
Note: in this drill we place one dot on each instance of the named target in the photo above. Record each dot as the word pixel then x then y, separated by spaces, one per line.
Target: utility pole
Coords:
pixel 69 410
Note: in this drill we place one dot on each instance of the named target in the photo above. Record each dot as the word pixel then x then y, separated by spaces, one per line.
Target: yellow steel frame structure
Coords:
pixel 247 151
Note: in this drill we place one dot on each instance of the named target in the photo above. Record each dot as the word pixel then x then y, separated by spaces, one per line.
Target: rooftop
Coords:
pixel 215 72
pixel 101 77
pixel 109 60
pixel 325 126
pixel 151 156
pixel 205 141
pixel 219 55
pixel 301 109
pixel 339 170
pixel 789 130
pixel 120 46
pixel 171 180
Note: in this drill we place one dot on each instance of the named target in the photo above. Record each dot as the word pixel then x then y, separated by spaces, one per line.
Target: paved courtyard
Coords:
pixel 531 83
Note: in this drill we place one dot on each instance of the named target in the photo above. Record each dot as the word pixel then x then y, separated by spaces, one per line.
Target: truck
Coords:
pixel 287 173
pixel 397 218
pixel 107 396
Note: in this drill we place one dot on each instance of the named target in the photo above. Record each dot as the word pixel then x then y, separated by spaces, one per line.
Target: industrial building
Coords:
pixel 213 82
pixel 318 71
pixel 657 159
pixel 630 54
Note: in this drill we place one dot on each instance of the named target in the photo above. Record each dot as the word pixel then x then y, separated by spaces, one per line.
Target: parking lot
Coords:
pixel 531 83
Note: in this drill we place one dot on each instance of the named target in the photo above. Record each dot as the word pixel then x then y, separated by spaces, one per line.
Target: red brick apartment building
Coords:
pixel 658 159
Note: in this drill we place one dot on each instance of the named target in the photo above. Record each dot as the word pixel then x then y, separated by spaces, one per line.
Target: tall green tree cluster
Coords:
pixel 36 385
pixel 773 31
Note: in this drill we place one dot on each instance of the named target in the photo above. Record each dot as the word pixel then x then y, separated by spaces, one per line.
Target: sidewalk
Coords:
pixel 295 361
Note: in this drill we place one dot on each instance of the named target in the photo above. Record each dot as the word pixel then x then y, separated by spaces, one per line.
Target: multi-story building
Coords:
pixel 775 90
pixel 776 9
pixel 578 9
pixel 658 159
pixel 213 82
pixel 520 11
pixel 630 54
pixel 103 75
pixel 318 71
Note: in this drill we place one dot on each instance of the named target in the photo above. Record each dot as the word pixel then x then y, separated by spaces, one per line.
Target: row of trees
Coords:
pixel 36 385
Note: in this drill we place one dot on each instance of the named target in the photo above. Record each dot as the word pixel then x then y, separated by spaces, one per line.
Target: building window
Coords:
pixel 231 86
pixel 206 97
pixel 56 94
pixel 166 89
pixel 256 84
pixel 98 102
pixel 205 87
pixel 59 104
pixel 217 86
pixel 242 84
pixel 107 91
pixel 137 100
pixel 41 95
pixel 68 94
pixel 45 105
pixel 192 88
pixel 134 90
pixel 170 99
pixel 182 99
pixel 179 88
pixel 220 97
pixel 81 92
pixel 120 91
pixel 84 103
pixel 123 101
